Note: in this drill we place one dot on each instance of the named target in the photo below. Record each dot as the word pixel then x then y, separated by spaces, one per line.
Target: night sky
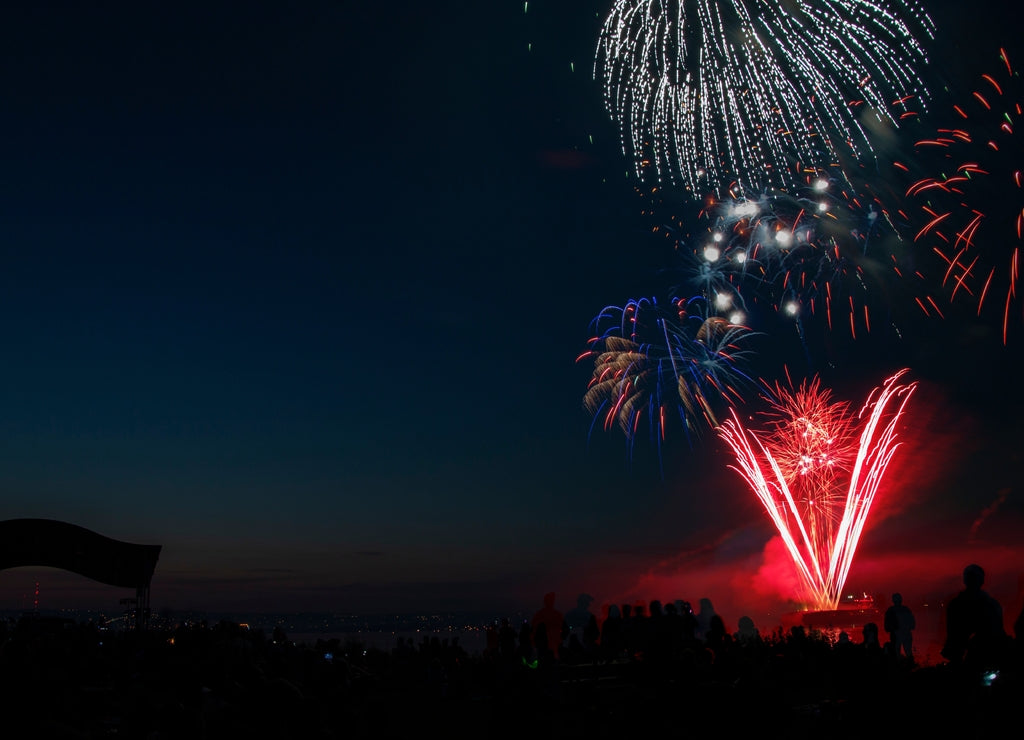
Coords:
pixel 296 292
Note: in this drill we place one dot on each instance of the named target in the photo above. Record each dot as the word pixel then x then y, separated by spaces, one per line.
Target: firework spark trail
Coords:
pixel 775 496
pixel 974 215
pixel 811 444
pixel 874 454
pixel 813 254
pixel 824 565
pixel 710 91
pixel 651 358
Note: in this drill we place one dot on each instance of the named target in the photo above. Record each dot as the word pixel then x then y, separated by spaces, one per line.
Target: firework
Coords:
pixel 708 91
pixel 811 253
pixel 656 361
pixel 816 468
pixel 973 210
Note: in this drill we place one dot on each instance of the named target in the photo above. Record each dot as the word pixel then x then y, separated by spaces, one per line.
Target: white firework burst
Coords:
pixel 711 91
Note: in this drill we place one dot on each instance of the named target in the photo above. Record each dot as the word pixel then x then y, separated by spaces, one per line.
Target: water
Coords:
pixel 381 632
pixel 473 641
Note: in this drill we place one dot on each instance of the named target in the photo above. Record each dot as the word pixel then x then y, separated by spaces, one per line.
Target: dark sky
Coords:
pixel 296 291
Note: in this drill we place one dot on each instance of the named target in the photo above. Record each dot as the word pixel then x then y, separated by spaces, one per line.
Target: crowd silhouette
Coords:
pixel 572 674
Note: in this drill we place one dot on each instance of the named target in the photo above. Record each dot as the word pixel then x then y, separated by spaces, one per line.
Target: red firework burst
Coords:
pixel 816 469
pixel 973 210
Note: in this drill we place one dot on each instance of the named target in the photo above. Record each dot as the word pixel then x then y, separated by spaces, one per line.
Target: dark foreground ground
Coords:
pixel 222 682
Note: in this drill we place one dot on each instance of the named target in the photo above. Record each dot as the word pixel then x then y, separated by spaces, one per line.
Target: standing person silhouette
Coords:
pixel 975 636
pixel 577 618
pixel 704 614
pixel 613 637
pixel 553 622
pixel 899 622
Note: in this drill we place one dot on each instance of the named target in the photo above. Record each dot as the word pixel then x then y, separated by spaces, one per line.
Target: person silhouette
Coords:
pixel 659 639
pixel 869 633
pixel 704 614
pixel 553 622
pixel 689 623
pixel 613 641
pixel 577 618
pixel 975 636
pixel 899 622
pixel 718 639
pixel 591 636
pixel 507 640
pixel 746 631
pixel 636 630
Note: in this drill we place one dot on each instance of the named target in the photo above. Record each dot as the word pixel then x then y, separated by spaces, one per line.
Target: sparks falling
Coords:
pixel 707 91
pixel 974 214
pixel 810 252
pixel 816 468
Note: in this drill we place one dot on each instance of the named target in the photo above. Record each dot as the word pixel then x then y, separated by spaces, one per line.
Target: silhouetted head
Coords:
pixel 746 626
pixel 549 599
pixel 583 601
pixel 974 576
pixel 870 633
pixel 897 599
